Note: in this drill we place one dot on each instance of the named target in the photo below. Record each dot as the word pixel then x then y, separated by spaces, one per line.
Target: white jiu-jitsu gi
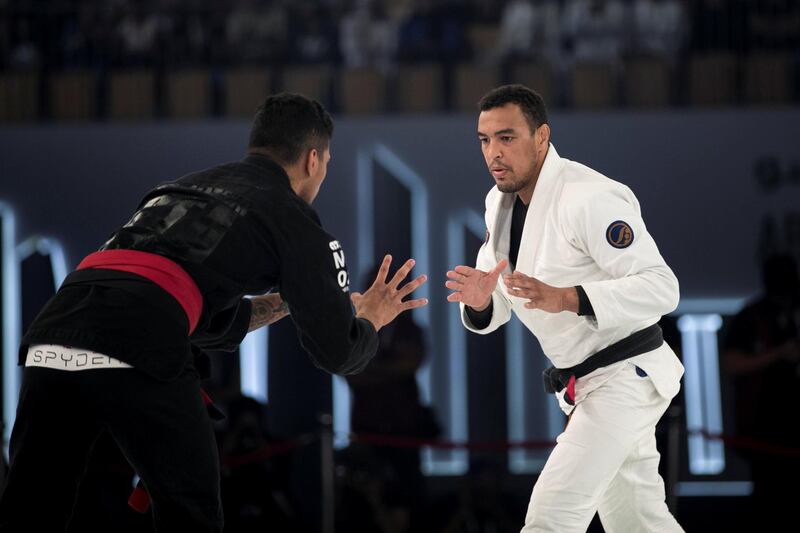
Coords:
pixel 583 228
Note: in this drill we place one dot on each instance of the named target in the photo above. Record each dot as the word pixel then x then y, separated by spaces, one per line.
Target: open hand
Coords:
pixel 473 287
pixel 383 301
pixel 541 295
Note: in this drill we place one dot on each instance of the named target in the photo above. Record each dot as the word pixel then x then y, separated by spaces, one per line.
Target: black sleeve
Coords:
pixel 226 329
pixel 480 319
pixel 315 284
pixel 584 304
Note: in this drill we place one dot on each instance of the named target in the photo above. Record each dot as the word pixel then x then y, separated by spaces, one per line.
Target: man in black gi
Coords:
pixel 114 347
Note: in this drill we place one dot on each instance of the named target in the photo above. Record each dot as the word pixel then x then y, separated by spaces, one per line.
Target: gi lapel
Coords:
pixel 500 238
pixel 540 205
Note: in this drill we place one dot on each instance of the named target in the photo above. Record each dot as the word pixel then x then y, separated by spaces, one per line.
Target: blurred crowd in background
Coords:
pixel 739 44
pixel 380 33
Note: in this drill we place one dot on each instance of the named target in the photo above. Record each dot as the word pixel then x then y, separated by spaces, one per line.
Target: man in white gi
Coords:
pixel 581 272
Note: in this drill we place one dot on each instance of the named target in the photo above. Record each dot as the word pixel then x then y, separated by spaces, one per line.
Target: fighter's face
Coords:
pixel 510 148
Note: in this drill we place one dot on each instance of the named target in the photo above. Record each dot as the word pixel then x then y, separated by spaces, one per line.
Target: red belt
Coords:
pixel 163 272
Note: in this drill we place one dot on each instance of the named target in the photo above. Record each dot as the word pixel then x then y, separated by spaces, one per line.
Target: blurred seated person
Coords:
pixel 528 31
pixel 596 30
pixel 365 503
pixel 481 504
pixel 386 401
pixel 255 492
pixel 386 395
pixel 660 27
pixel 774 25
pixel 762 353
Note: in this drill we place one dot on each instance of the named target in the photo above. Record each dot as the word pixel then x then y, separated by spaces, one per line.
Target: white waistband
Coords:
pixel 66 358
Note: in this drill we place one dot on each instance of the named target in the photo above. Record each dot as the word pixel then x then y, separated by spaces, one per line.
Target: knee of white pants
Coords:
pixel 645 517
pixel 558 511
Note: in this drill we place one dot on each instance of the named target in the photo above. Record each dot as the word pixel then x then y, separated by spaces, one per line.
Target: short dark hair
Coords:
pixel 287 124
pixel 529 101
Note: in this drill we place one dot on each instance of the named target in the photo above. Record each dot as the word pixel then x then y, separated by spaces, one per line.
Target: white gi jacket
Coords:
pixel 565 243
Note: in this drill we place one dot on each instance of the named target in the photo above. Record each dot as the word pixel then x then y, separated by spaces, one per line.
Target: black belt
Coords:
pixel 643 341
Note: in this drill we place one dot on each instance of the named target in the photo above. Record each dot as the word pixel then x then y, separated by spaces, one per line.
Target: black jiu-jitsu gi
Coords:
pixel 233 230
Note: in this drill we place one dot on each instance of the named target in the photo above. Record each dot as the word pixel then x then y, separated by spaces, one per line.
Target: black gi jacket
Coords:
pixel 237 229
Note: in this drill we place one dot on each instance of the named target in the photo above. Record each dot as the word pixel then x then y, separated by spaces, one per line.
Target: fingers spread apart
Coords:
pixel 454 297
pixel 411 286
pixel 401 274
pixel 465 270
pixel 383 271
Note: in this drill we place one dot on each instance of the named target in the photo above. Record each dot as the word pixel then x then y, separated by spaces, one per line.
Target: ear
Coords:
pixel 543 135
pixel 312 161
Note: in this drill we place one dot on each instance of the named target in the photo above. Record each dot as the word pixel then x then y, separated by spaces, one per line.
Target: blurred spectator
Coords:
pixel 384 37
pixel 775 25
pixel 98 23
pixel 529 30
pixel 596 29
pixel 482 12
pixel 138 33
pixel 718 25
pixel 5 37
pixel 75 34
pixel 549 21
pixel 188 28
pixel 482 505
pixel 517 30
pixel 25 52
pixel 256 32
pixel 434 32
pixel 762 352
pixel 219 51
pixel 386 395
pixel 398 10
pixel 418 39
pixel 451 27
pixel 354 35
pixel 660 27
pixel 255 495
pixel 368 36
pixel 314 34
pixel 386 402
pixel 365 503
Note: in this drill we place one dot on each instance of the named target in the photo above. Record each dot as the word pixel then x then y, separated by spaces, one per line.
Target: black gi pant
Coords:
pixel 162 428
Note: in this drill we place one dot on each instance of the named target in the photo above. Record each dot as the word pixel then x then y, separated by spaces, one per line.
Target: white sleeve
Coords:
pixel 501 313
pixel 608 226
pixel 501 306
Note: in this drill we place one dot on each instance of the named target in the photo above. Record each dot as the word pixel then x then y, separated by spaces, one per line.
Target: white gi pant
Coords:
pixel 606 461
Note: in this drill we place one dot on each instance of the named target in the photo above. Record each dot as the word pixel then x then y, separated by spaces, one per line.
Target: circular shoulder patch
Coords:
pixel 619 234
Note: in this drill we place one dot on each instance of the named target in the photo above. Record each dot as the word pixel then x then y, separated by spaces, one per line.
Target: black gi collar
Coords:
pixel 265 163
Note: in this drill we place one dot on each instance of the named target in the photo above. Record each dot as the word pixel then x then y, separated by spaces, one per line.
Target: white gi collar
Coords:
pixel 546 185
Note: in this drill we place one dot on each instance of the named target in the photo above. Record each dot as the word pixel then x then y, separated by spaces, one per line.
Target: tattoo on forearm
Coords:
pixel 267 311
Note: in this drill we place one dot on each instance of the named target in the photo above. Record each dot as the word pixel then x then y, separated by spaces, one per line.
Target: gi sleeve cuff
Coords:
pixel 584 304
pixel 480 319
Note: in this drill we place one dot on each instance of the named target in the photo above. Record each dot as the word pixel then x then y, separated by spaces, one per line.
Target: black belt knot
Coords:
pixel 643 341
